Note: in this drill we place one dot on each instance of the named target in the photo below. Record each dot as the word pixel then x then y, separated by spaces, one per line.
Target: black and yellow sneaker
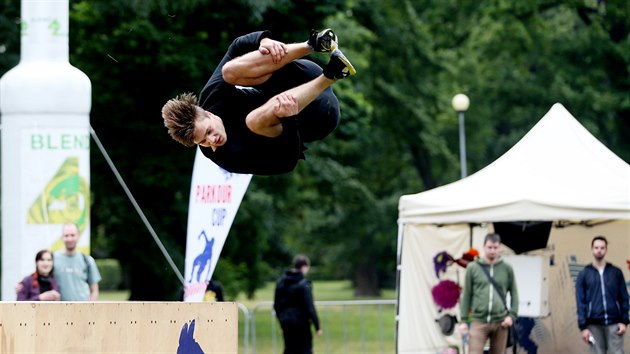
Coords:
pixel 339 66
pixel 323 41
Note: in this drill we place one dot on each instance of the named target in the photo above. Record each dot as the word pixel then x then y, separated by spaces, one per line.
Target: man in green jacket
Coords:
pixel 481 303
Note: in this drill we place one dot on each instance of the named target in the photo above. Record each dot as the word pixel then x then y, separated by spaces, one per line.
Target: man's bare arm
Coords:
pixel 94 291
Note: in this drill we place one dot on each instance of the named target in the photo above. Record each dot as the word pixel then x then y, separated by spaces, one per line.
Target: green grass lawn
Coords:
pixel 113 295
pixel 323 291
pixel 347 329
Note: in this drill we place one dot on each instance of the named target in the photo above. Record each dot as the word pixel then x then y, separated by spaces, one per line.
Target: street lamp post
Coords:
pixel 461 103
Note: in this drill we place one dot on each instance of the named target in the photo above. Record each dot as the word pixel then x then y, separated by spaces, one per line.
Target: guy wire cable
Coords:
pixel 135 204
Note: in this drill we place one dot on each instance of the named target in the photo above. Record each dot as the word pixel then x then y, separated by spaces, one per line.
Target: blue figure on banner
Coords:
pixel 203 259
pixel 187 343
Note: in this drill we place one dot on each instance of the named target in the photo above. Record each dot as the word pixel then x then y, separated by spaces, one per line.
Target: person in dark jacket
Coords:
pixel 262 103
pixel 41 285
pixel 214 291
pixel 602 302
pixel 295 309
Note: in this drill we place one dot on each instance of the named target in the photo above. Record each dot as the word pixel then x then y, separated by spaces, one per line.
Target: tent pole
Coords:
pixel 398 269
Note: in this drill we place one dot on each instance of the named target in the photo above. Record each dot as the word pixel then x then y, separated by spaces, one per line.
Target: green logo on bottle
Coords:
pixel 54 27
pixel 65 199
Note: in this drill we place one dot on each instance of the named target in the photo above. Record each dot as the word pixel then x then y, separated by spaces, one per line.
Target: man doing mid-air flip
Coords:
pixel 262 103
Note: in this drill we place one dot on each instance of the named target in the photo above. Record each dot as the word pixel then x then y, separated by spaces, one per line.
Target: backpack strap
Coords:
pixel 512 330
pixel 495 286
pixel 87 265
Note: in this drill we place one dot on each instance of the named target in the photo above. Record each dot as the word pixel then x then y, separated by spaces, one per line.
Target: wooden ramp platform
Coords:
pixel 118 327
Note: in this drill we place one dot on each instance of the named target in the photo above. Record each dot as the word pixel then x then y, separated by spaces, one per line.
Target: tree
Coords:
pixel 398 133
pixel 514 59
pixel 124 48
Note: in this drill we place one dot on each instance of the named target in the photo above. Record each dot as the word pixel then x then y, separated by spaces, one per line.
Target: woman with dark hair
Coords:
pixel 40 286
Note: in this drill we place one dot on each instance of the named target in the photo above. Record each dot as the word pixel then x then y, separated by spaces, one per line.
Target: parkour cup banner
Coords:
pixel 215 196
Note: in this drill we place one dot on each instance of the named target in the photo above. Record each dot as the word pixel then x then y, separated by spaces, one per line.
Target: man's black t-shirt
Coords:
pixel 245 151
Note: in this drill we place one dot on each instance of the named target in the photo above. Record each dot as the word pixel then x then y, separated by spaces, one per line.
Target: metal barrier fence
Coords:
pixel 360 326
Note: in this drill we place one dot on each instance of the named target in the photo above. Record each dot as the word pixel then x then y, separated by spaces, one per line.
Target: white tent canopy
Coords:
pixel 557 171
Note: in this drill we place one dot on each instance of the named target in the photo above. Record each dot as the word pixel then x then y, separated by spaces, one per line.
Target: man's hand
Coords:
pixel 507 322
pixel 319 332
pixel 586 334
pixel 18 287
pixel 286 106
pixel 621 329
pixel 276 49
pixel 463 328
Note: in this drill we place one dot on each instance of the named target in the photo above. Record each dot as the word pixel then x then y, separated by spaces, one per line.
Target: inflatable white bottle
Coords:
pixel 44 111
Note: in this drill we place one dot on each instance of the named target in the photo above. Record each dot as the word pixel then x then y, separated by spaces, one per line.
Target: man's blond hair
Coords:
pixel 179 116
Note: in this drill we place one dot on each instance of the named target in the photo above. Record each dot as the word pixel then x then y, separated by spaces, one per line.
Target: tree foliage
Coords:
pixel 398 134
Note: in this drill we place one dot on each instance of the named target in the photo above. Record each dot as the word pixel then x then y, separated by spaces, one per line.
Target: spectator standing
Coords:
pixel 75 272
pixel 602 302
pixel 214 292
pixel 41 285
pixel 489 316
pixel 295 309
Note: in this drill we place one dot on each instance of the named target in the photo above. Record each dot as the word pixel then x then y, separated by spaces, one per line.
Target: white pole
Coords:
pixel 45 105
pixel 460 104
pixel 462 145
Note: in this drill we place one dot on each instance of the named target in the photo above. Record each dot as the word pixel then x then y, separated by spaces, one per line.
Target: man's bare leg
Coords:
pixel 265 120
pixel 254 68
